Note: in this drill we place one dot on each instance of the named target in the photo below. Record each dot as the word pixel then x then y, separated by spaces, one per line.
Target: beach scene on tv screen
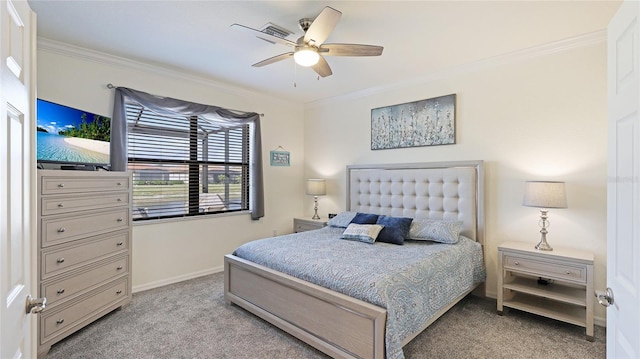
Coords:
pixel 70 135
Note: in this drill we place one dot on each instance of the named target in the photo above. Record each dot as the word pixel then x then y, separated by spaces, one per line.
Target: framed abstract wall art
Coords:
pixel 428 122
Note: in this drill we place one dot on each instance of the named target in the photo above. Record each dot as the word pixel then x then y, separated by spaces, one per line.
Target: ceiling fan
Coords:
pixel 310 49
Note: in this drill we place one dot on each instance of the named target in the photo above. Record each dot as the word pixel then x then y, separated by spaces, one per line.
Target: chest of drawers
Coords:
pixel 84 242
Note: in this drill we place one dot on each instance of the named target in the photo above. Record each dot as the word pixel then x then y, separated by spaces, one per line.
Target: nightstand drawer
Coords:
pixel 543 269
pixel 308 224
pixel 301 227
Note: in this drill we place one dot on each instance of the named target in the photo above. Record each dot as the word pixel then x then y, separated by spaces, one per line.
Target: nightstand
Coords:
pixel 556 284
pixel 308 224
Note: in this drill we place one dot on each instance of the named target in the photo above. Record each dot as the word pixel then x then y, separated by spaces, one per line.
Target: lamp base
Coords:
pixel 544 223
pixel 543 246
pixel 315 208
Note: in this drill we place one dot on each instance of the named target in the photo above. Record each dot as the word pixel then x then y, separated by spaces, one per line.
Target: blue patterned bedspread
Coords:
pixel 412 282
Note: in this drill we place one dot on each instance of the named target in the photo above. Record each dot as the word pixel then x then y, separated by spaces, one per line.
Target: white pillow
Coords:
pixel 435 230
pixel 366 233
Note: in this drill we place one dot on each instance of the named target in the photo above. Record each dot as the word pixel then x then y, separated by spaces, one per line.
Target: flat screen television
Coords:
pixel 72 138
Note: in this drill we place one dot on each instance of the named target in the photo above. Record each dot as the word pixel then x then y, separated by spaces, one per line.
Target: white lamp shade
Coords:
pixel 316 187
pixel 306 57
pixel 545 194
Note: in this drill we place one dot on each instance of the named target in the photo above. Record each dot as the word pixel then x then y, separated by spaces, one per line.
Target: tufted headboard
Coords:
pixel 436 190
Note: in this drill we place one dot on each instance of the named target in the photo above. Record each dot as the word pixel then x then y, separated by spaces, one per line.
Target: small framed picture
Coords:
pixel 280 158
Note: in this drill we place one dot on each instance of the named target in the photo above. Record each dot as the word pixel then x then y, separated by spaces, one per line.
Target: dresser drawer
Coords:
pixel 544 268
pixel 64 204
pixel 55 322
pixel 59 260
pixel 61 229
pixel 75 184
pixel 58 290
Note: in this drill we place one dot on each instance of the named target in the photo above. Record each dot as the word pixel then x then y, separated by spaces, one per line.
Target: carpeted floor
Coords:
pixel 191 320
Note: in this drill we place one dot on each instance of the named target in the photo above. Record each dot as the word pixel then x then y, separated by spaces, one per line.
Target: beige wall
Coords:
pixel 172 251
pixel 534 117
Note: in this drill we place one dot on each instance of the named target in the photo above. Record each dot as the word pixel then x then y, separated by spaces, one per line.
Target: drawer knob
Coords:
pixel 61 230
pixel 61 290
pixel 119 199
pixel 516 263
pixel 60 185
pixel 60 321
pixel 60 205
pixel 119 183
pixel 118 291
pixel 119 268
pixel 119 244
pixel 567 272
pixel 119 220
pixel 60 260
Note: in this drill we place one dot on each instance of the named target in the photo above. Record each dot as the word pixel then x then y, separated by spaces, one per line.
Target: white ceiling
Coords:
pixel 419 37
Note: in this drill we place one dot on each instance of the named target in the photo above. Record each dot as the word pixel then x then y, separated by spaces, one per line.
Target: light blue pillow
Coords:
pixel 342 220
pixel 435 230
pixel 366 233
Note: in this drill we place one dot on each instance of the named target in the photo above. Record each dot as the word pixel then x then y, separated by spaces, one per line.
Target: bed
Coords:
pixel 368 318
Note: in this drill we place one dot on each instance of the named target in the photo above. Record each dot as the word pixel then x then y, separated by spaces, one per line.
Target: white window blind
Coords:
pixel 185 165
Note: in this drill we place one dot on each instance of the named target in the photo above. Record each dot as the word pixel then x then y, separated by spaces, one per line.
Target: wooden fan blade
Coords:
pixel 322 26
pixel 264 35
pixel 271 60
pixel 350 50
pixel 322 68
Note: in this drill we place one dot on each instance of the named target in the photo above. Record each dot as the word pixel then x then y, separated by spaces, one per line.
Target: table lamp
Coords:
pixel 316 187
pixel 545 195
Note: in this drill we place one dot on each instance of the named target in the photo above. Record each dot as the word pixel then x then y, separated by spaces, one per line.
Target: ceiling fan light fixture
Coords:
pixel 306 57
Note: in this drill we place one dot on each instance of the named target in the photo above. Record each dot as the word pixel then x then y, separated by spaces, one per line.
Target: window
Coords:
pixel 186 165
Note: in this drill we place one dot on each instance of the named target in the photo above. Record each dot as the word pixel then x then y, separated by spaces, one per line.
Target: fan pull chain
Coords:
pixel 295 74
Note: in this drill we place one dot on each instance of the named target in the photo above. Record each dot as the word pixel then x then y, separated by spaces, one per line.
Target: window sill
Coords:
pixel 189 218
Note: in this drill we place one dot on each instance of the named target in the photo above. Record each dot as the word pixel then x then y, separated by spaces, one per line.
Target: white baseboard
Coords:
pixel 176 279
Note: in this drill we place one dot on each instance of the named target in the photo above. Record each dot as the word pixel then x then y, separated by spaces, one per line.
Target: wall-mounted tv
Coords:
pixel 68 136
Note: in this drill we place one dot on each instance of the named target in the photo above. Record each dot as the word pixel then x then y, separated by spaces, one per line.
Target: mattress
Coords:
pixel 411 281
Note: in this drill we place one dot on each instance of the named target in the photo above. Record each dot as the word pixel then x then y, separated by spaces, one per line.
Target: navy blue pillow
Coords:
pixel 365 218
pixel 395 230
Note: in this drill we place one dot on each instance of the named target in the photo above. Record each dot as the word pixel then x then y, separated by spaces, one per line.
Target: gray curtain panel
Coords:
pixel 171 106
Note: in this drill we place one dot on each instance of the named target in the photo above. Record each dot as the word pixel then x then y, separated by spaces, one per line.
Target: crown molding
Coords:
pixel 65 49
pixel 584 40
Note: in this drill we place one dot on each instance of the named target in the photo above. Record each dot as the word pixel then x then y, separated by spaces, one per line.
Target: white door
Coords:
pixel 17 170
pixel 623 191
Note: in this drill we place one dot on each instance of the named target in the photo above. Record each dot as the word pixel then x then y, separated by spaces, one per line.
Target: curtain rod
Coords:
pixel 110 86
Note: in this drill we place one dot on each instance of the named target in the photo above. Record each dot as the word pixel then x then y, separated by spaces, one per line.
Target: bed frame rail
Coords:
pixel 336 324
